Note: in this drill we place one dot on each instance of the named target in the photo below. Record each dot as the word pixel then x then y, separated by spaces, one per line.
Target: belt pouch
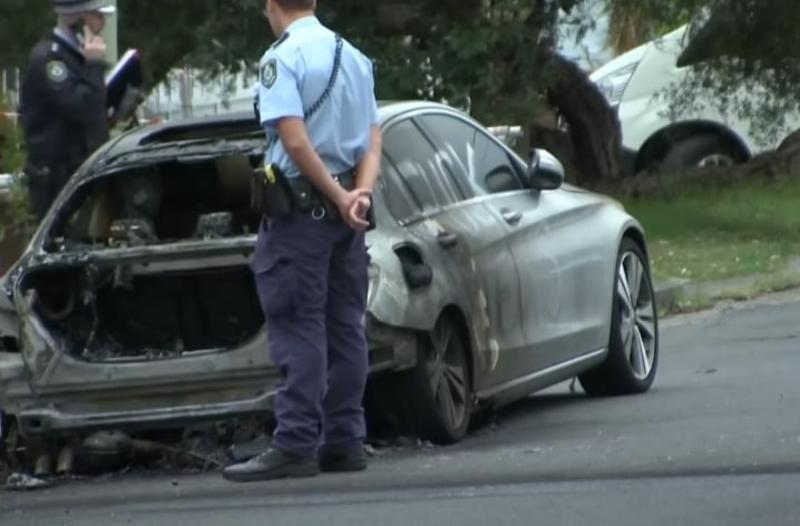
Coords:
pixel 270 193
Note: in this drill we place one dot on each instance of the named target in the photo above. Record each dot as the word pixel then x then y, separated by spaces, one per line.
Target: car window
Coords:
pixel 486 164
pixel 398 196
pixel 422 171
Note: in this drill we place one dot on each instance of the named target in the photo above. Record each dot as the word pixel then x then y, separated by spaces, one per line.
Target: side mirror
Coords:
pixel 545 171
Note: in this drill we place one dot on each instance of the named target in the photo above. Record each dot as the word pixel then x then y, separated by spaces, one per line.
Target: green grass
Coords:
pixel 721 233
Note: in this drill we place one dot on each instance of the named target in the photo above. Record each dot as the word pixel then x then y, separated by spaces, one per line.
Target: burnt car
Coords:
pixel 134 306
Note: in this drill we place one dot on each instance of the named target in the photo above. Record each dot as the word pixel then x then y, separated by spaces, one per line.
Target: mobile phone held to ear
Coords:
pixel 79 30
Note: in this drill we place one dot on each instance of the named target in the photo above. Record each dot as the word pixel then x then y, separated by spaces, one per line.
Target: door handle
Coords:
pixel 447 239
pixel 510 216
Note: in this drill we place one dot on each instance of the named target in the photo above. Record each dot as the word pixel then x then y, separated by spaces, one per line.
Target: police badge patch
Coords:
pixel 56 71
pixel 269 73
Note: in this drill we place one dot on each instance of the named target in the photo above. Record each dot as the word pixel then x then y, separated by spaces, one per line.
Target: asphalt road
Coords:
pixel 717 441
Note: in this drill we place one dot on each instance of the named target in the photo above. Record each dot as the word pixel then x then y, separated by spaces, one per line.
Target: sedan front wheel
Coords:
pixel 632 360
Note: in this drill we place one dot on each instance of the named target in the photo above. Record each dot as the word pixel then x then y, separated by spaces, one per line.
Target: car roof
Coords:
pixel 241 123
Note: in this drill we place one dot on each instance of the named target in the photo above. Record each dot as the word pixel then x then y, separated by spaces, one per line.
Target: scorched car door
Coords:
pixel 464 239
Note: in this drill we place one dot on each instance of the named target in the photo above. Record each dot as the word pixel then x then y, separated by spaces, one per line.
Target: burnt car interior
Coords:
pixel 170 202
pixel 152 310
pixel 113 313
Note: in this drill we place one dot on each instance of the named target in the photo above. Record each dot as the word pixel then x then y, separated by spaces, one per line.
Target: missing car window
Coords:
pixel 170 202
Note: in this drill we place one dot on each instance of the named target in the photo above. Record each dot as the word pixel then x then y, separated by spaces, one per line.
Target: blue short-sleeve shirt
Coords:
pixel 294 73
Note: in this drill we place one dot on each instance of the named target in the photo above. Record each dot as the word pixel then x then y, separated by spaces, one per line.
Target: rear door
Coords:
pixel 457 235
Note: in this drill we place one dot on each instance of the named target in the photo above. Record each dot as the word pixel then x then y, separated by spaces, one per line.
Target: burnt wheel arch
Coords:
pixel 439 391
pixel 402 402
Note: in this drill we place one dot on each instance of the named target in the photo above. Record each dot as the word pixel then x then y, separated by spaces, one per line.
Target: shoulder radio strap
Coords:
pixel 337 62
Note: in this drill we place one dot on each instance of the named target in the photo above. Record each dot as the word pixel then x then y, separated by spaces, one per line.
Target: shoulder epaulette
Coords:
pixel 280 41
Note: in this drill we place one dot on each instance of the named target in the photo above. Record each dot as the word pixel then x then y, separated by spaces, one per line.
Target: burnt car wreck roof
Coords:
pixel 229 126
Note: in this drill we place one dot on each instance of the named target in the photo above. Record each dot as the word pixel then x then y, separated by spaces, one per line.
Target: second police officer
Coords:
pixel 317 104
pixel 63 98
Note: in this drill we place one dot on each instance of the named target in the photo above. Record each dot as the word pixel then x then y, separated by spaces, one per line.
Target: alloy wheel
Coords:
pixel 447 373
pixel 636 303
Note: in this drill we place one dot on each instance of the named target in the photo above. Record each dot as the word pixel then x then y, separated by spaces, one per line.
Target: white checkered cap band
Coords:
pixel 71 7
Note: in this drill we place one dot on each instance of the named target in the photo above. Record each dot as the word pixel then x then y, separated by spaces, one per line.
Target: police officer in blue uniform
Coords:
pixel 63 98
pixel 317 104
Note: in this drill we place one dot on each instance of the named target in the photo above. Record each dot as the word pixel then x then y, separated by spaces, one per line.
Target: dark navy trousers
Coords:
pixel 312 283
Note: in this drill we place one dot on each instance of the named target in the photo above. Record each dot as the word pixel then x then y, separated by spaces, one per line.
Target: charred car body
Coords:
pixel 134 305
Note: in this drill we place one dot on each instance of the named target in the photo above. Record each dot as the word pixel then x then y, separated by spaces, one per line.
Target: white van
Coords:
pixel 651 139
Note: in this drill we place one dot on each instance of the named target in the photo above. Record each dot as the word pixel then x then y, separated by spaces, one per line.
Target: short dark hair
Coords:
pixel 296 5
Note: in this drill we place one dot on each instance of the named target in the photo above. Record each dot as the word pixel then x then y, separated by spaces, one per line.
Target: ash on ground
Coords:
pixel 193 449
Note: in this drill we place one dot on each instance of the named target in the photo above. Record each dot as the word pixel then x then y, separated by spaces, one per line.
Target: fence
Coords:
pixel 10 79
pixel 160 111
pixel 186 94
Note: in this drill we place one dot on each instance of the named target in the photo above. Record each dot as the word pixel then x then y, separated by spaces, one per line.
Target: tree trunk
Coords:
pixel 594 130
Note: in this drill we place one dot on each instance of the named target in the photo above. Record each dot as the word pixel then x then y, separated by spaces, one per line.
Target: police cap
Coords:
pixel 70 7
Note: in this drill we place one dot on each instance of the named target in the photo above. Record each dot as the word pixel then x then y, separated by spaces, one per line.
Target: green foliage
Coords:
pixel 634 22
pixel 483 55
pixel 486 65
pixel 473 53
pixel 12 155
pixel 15 213
pixel 16 216
pixel 22 23
pixel 215 35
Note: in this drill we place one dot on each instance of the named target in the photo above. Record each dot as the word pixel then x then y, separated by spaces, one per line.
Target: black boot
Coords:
pixel 274 464
pixel 343 462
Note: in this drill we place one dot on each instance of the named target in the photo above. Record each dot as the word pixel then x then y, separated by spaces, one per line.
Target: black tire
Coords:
pixel 626 371
pixel 10 443
pixel 790 142
pixel 691 152
pixel 442 361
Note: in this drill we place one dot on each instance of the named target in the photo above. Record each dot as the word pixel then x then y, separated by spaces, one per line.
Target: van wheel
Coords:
pixel 700 151
pixel 438 390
